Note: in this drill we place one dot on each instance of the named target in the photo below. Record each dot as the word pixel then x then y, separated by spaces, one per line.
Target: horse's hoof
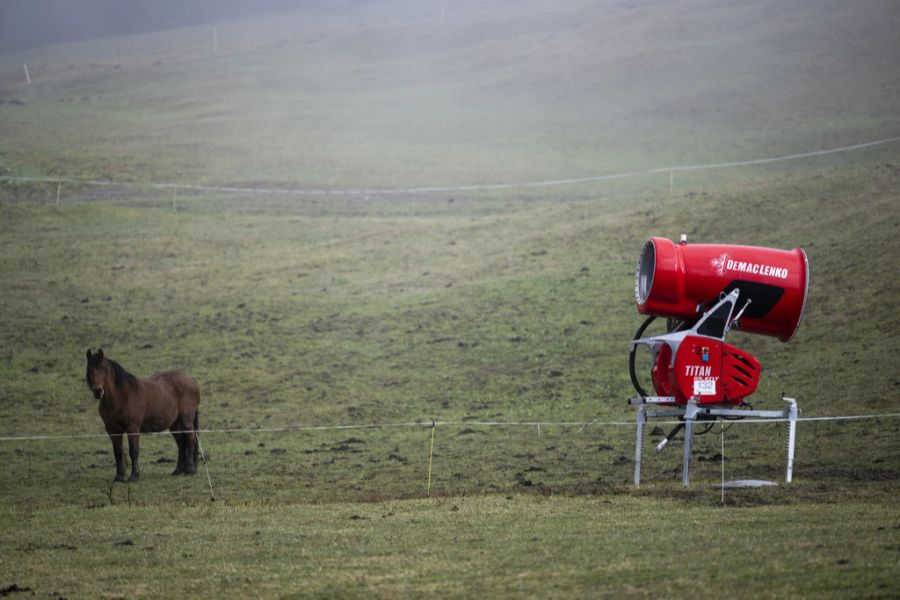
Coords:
pixel 134 477
pixel 119 479
pixel 178 471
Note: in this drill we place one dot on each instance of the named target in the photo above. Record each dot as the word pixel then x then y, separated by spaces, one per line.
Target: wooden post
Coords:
pixel 27 76
pixel 58 190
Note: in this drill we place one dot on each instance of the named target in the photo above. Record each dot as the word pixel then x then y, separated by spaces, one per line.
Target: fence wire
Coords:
pixel 421 458
pixel 432 189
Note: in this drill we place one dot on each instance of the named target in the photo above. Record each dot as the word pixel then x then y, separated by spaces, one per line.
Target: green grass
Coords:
pixel 295 312
pixel 354 313
pixel 615 546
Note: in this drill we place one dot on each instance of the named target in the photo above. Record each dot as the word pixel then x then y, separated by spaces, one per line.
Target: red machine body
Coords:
pixel 712 371
pixel 708 289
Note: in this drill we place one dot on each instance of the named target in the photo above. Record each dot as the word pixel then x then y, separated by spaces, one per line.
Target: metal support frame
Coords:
pixel 690 413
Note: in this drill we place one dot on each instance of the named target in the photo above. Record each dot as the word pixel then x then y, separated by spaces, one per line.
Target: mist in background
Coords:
pixel 31 23
pixel 430 93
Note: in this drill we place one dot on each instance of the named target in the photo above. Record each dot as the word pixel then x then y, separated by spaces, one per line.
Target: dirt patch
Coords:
pixel 14 589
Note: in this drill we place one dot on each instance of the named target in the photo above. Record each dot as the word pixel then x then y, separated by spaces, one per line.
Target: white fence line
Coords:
pixel 430 423
pixel 447 189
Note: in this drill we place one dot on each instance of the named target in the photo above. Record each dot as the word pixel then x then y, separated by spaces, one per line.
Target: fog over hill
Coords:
pixel 31 23
pixel 431 93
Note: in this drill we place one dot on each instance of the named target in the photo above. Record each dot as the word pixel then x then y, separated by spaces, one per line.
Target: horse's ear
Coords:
pixel 89 354
pixel 100 353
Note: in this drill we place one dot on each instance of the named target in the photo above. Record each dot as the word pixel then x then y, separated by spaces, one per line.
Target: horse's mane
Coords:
pixel 123 377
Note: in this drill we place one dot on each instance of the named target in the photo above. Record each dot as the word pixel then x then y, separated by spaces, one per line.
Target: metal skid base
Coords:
pixel 690 413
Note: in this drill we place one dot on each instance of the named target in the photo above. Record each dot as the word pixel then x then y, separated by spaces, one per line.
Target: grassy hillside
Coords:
pixel 507 306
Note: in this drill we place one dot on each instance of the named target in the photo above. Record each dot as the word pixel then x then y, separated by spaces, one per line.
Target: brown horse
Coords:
pixel 131 406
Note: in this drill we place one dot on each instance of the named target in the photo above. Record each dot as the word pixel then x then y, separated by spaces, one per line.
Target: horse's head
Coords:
pixel 98 370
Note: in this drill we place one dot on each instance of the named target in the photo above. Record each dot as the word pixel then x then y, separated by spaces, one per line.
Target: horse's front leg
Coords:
pixel 118 454
pixel 134 449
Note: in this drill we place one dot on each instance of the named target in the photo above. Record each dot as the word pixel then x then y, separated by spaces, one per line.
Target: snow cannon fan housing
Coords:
pixel 679 281
pixel 708 289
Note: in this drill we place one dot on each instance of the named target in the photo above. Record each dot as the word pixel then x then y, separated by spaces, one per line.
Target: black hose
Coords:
pixel 634 380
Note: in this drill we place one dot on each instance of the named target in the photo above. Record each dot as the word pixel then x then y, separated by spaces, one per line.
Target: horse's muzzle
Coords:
pixel 98 392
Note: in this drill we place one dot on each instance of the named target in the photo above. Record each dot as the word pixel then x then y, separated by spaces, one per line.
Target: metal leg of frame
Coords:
pixel 792 438
pixel 690 414
pixel 640 419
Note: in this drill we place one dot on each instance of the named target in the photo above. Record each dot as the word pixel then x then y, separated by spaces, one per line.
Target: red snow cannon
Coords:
pixel 680 281
pixel 705 290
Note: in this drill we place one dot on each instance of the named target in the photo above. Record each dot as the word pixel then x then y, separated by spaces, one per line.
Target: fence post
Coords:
pixel 430 458
pixel 722 434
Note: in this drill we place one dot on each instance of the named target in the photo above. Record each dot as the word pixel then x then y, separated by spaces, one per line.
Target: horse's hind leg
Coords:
pixel 190 447
pixel 182 450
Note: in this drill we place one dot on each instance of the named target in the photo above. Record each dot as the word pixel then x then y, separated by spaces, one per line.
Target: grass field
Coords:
pixel 517 546
pixel 300 315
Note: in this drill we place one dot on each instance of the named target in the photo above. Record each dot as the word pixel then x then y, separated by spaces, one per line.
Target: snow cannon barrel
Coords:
pixel 679 281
